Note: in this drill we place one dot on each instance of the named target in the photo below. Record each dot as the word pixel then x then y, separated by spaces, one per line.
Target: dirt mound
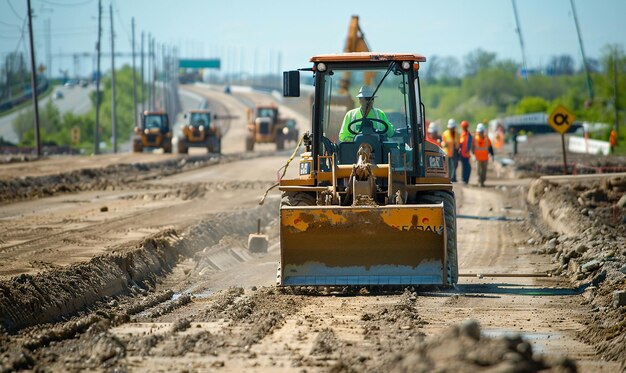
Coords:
pixel 115 176
pixel 28 300
pixel 588 244
pixel 46 297
pixel 461 348
pixel 535 165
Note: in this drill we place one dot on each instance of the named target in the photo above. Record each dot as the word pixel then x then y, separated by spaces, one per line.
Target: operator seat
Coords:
pixel 348 149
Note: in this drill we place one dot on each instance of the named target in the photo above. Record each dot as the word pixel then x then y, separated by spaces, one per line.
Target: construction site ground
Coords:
pixel 138 262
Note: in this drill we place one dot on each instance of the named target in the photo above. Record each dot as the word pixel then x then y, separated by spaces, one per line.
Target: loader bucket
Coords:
pixel 377 245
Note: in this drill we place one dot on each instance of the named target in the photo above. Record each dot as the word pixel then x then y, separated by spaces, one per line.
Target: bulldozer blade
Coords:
pixel 364 245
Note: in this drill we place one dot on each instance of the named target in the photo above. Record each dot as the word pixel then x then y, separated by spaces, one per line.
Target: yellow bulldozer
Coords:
pixel 153 133
pixel 376 208
pixel 200 130
pixel 266 125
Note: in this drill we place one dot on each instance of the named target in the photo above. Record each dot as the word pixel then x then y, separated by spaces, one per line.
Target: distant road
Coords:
pixel 75 99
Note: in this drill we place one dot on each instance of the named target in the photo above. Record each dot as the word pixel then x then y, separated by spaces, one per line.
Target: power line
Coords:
pixel 119 19
pixel 14 12
pixel 9 24
pixel 80 3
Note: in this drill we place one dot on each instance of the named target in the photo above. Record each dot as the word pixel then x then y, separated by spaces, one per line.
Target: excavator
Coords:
pixel 355 42
pixel 376 209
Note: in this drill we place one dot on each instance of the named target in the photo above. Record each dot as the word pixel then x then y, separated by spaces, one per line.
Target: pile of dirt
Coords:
pixel 535 165
pixel 117 176
pixel 462 348
pixel 27 300
pixel 586 238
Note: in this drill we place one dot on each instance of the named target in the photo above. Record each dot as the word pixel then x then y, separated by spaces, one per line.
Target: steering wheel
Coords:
pixel 378 132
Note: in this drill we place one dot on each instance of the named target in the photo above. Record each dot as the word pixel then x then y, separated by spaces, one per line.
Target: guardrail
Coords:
pixel 9 104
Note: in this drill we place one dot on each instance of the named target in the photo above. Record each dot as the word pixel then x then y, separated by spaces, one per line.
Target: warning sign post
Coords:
pixel 561 120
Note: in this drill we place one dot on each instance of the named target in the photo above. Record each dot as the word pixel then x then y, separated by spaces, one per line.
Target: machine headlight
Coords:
pixel 285 130
pixel 321 66
pixel 406 65
pixel 201 128
pixel 146 131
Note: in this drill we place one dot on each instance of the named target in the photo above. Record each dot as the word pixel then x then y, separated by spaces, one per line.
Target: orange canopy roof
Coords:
pixel 367 56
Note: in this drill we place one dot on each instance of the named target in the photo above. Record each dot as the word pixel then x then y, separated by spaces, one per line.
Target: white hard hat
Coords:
pixel 432 127
pixel 451 123
pixel 480 127
pixel 365 92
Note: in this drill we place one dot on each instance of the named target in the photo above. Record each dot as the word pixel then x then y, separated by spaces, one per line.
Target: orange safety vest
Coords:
pixel 481 148
pixel 613 138
pixel 466 144
pixel 449 143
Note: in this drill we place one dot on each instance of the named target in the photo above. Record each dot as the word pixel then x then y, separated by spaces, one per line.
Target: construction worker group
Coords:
pixel 460 146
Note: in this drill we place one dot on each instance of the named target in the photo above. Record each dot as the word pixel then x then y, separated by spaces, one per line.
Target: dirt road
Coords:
pixel 150 272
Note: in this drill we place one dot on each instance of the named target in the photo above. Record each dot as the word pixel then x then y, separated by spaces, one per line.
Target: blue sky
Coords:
pixel 239 30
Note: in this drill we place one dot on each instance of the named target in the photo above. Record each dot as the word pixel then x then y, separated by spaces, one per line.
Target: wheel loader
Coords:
pixel 154 132
pixel 377 208
pixel 200 130
pixel 265 125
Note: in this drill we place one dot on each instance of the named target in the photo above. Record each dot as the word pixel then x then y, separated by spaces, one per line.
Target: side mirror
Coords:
pixel 291 83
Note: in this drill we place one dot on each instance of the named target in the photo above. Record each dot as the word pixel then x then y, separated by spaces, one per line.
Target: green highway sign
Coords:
pixel 199 64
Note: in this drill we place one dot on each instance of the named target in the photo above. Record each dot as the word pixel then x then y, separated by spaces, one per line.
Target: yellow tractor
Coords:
pixel 265 125
pixel 154 133
pixel 200 130
pixel 373 203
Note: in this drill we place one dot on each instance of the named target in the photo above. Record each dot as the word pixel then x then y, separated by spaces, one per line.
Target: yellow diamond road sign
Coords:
pixel 561 119
pixel 75 135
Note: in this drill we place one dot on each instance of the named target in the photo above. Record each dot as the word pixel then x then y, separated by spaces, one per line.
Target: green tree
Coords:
pixel 478 60
pixel 531 104
pixel 50 125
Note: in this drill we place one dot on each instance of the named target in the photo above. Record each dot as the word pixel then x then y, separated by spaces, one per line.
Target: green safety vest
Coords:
pixel 354 114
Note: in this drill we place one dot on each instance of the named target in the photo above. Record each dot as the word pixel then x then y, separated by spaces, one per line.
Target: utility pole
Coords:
pixel 33 78
pixel 164 86
pixel 134 73
pixel 521 40
pixel 615 96
pixel 48 49
pixel 113 103
pixel 150 93
pixel 96 145
pixel 153 73
pixel 143 81
pixel 582 51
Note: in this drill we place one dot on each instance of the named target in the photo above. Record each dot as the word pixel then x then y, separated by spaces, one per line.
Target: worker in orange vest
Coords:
pixel 613 140
pixel 482 149
pixel 433 133
pixel 465 148
pixel 450 144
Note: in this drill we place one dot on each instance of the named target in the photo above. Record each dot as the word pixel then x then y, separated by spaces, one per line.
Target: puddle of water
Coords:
pixel 538 340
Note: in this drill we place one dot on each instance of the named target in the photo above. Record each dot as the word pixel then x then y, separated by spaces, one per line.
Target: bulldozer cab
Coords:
pixel 154 121
pixel 394 123
pixel 197 120
pixel 267 112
